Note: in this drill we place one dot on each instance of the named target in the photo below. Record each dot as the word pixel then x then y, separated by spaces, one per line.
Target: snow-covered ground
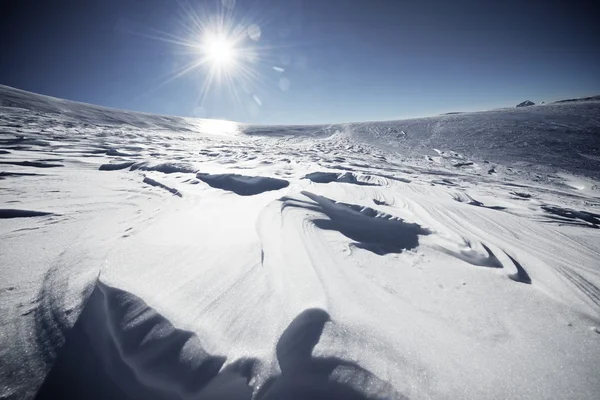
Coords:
pixel 152 257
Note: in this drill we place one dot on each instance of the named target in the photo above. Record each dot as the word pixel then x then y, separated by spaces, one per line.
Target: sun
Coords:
pixel 220 50
pixel 224 55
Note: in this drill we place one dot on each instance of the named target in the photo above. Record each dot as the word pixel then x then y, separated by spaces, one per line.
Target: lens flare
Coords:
pixel 224 53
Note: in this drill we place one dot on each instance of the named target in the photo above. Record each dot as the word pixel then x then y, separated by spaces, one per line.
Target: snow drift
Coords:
pixel 152 257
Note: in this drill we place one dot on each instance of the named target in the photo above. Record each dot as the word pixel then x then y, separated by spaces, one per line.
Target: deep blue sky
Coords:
pixel 344 60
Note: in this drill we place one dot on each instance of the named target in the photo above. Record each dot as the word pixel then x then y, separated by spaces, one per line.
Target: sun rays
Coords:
pixel 223 51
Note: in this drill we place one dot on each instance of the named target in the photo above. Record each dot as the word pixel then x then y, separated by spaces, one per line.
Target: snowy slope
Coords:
pixel 153 257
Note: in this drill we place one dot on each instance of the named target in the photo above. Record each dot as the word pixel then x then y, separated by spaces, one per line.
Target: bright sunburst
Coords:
pixel 225 53
pixel 220 50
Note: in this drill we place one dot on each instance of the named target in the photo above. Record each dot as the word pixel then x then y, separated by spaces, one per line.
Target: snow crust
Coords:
pixel 153 257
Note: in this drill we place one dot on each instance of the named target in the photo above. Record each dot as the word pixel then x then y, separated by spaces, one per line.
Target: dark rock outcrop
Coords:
pixel 526 103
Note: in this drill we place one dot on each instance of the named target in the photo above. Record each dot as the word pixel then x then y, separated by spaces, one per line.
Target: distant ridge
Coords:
pixel 591 98
pixel 526 103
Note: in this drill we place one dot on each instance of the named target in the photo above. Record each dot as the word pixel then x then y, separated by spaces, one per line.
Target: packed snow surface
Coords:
pixel 153 257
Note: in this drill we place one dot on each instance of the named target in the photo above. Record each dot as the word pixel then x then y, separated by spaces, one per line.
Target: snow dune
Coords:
pixel 122 348
pixel 152 257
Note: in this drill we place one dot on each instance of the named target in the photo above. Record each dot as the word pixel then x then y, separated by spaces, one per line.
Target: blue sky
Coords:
pixel 317 61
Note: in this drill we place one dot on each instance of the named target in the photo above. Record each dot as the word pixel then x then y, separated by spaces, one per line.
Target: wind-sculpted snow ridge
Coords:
pixel 521 275
pixel 241 184
pixel 4 175
pixel 35 164
pixel 11 213
pixel 345 177
pixel 472 257
pixel 165 168
pixel 574 217
pixel 116 166
pixel 304 376
pixel 120 348
pixel 371 230
pixel 424 259
pixel 155 183
pixel 465 198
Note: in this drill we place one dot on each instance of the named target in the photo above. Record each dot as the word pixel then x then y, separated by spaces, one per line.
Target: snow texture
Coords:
pixel 153 257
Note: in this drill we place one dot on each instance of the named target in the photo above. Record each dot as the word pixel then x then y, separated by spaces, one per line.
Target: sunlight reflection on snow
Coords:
pixel 218 127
